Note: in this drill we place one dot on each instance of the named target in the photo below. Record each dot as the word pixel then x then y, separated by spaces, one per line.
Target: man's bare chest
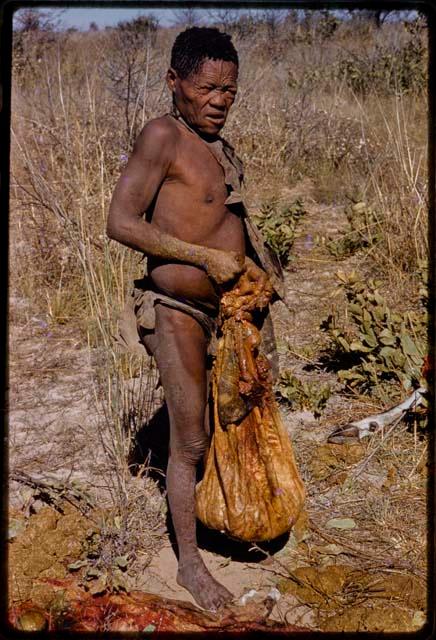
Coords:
pixel 195 168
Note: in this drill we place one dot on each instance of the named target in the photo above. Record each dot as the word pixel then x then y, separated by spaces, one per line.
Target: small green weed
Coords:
pixel 365 231
pixel 103 569
pixel 280 227
pixel 303 395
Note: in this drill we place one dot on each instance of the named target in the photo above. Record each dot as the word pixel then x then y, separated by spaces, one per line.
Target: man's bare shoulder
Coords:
pixel 160 133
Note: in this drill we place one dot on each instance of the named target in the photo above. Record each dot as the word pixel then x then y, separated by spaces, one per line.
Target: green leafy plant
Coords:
pixel 280 227
pixel 103 567
pixel 303 395
pixel 122 541
pixel 365 231
pixel 384 347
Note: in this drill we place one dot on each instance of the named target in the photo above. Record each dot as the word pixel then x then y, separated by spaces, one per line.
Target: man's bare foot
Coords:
pixel 205 590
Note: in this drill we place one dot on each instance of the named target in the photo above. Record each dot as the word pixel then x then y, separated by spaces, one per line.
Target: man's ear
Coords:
pixel 171 79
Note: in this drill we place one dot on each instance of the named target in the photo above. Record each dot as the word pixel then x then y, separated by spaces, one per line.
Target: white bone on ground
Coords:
pixel 368 425
pixel 247 596
pixel 274 594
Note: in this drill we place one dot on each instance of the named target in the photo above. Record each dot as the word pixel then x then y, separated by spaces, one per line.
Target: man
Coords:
pixel 185 179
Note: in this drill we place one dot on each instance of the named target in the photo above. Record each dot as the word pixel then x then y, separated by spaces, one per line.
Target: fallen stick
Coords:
pixel 53 492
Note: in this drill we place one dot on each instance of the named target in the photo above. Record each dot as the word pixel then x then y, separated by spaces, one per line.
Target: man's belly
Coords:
pixel 191 282
pixel 185 282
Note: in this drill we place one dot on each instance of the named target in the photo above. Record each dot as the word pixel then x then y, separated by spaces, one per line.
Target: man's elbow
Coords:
pixel 111 230
pixel 114 228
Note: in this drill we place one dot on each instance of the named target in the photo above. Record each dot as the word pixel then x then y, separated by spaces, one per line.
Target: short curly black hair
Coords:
pixel 194 45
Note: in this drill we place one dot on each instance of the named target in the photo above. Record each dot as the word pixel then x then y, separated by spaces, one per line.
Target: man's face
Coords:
pixel 204 98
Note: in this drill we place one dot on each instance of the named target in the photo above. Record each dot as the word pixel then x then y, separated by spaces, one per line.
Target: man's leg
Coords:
pixel 180 353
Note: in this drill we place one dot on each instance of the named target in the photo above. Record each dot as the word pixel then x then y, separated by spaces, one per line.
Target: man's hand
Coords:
pixel 223 266
pixel 256 276
pixel 253 290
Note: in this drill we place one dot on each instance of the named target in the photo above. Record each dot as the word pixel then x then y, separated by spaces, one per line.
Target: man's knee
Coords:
pixel 189 450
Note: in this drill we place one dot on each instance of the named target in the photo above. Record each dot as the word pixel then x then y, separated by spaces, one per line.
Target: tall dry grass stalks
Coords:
pixel 66 154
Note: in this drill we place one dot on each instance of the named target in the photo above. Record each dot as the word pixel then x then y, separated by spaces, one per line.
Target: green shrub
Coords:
pixel 387 70
pixel 303 395
pixel 279 228
pixel 365 231
pixel 384 347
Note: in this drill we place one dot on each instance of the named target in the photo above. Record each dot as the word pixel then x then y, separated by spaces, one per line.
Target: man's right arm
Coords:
pixel 137 186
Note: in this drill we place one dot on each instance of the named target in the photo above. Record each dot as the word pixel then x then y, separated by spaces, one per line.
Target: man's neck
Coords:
pixel 176 113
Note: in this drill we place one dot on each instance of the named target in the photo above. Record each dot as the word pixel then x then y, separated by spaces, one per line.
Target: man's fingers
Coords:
pixel 240 259
pixel 240 262
pixel 254 273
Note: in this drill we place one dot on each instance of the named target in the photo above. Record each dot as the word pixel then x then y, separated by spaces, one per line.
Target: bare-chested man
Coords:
pixel 196 244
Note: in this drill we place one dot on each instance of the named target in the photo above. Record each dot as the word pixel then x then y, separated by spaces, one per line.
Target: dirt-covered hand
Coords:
pixel 223 266
pixel 254 289
pixel 257 279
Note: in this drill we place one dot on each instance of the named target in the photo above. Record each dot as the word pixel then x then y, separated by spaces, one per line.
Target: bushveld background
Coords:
pixel 331 123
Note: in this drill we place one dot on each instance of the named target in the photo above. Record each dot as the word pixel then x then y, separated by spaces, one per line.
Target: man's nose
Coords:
pixel 218 100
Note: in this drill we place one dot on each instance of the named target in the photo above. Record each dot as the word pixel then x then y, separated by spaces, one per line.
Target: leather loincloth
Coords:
pixel 138 319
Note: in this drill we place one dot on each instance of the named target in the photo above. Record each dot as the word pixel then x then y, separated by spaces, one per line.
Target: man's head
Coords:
pixel 203 77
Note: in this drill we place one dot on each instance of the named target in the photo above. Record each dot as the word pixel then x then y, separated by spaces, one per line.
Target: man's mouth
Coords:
pixel 216 118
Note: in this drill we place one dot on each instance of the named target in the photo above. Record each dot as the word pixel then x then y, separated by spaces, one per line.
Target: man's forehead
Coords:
pixel 217 69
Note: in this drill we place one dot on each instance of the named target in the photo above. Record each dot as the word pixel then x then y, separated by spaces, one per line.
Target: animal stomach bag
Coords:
pixel 251 489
